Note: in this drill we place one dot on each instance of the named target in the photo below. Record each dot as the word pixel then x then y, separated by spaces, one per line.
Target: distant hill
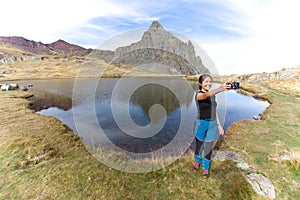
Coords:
pixel 16 46
pixel 22 45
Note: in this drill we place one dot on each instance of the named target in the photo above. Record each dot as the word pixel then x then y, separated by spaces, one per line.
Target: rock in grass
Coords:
pixel 261 185
pixel 229 155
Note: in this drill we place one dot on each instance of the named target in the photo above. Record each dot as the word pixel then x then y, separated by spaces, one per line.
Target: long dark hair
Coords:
pixel 201 79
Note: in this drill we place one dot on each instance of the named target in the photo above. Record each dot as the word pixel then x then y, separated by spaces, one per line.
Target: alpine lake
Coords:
pixel 135 114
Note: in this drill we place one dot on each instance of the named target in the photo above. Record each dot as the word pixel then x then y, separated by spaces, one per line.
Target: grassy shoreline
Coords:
pixel 265 143
pixel 40 158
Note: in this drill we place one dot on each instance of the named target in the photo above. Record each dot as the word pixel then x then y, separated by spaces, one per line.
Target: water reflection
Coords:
pixel 154 109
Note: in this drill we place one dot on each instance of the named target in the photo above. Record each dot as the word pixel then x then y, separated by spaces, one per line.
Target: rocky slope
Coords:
pixel 285 80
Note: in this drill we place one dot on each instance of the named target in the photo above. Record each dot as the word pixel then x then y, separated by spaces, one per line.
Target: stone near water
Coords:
pixel 9 86
pixel 6 87
pixel 23 87
pixel 255 117
pixel 3 88
pixel 14 85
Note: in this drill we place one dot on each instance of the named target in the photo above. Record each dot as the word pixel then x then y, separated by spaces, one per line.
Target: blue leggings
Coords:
pixel 206 134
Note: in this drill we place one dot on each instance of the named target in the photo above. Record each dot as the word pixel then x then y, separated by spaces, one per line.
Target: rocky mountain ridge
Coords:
pixel 281 75
pixel 157 46
pixel 160 46
pixel 30 47
pixel 18 49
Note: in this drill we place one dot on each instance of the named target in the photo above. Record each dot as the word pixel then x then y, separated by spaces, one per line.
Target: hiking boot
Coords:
pixel 196 166
pixel 205 174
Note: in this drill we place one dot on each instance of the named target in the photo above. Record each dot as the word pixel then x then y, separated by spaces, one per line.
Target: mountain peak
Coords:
pixel 158 43
pixel 61 45
pixel 59 41
pixel 156 25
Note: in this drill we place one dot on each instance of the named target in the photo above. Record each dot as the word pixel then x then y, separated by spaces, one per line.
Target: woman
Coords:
pixel 207 127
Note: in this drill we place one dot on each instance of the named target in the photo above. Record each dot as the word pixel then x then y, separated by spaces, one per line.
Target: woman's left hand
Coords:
pixel 221 130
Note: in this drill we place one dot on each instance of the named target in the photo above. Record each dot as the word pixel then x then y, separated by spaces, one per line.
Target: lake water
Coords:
pixel 138 115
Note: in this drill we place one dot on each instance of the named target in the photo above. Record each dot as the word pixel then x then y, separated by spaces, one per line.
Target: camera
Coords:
pixel 234 85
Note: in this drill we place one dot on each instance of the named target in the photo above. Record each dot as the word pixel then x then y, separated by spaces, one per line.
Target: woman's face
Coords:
pixel 206 83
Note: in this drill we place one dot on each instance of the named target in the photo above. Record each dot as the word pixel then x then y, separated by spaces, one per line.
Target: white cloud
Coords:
pixel 46 20
pixel 271 38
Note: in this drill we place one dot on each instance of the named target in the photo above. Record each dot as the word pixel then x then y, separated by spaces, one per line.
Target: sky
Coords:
pixel 239 36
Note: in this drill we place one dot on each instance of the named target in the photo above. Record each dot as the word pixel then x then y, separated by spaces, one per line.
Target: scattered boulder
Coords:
pixel 12 86
pixel 6 87
pixel 261 185
pixel 23 87
pixel 288 156
pixel 257 96
pixel 229 155
pixel 255 117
